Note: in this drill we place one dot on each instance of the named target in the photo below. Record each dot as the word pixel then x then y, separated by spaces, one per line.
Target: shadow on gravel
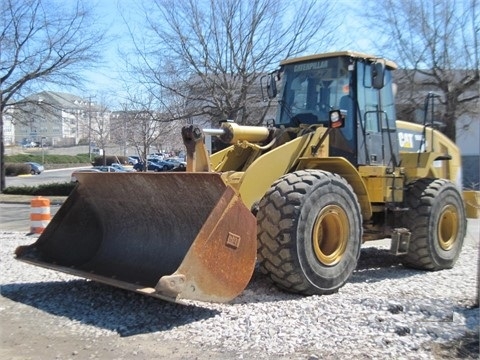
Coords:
pixel 374 265
pixel 121 311
pixel 378 264
pixel 465 347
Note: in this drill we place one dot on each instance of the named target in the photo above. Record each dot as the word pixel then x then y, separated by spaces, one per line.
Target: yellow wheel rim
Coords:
pixel 447 227
pixel 330 235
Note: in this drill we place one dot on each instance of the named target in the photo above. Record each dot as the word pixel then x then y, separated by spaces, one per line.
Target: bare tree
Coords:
pixel 99 126
pixel 143 125
pixel 43 42
pixel 437 42
pixel 209 55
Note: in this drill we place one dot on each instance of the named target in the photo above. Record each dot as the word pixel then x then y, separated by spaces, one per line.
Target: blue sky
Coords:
pixel 103 79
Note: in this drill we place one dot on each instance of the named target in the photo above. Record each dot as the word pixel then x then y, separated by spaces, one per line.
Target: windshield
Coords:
pixel 311 89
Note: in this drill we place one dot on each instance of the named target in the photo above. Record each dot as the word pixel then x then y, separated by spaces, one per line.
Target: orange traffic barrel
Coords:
pixel 39 214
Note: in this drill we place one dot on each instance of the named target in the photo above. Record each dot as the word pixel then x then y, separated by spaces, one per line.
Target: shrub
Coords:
pixel 54 189
pixel 49 159
pixel 14 169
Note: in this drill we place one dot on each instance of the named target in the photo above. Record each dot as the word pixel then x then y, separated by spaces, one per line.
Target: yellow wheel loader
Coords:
pixel 299 196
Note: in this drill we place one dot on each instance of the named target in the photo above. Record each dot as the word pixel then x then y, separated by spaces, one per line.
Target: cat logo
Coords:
pixel 405 140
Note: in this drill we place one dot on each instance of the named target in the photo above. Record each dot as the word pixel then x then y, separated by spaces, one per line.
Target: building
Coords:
pixel 8 129
pixel 468 140
pixel 56 119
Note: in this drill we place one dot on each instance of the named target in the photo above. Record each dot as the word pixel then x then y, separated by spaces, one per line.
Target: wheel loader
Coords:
pixel 296 197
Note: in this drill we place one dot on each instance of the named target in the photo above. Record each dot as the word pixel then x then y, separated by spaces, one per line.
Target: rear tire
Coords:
pixel 437 222
pixel 309 232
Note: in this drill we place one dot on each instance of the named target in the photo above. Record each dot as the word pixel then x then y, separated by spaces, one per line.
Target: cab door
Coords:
pixel 377 140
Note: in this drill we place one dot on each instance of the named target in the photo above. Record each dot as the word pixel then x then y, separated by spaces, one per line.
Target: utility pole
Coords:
pixel 90 127
pixel 43 149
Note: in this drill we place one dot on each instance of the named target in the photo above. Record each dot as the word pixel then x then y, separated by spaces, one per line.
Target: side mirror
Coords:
pixel 378 75
pixel 336 119
pixel 271 87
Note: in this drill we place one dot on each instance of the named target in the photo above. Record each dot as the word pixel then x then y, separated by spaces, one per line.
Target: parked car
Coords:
pixel 177 163
pixel 110 168
pixel 35 168
pixel 73 177
pixel 151 166
pixel 155 156
pixel 120 167
pixel 132 160
pixel 97 169
pixel 166 166
pixel 30 144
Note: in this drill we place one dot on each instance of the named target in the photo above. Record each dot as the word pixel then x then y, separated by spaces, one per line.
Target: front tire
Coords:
pixel 437 222
pixel 309 232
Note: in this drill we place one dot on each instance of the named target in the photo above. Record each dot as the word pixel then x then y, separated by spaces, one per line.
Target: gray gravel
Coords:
pixel 384 311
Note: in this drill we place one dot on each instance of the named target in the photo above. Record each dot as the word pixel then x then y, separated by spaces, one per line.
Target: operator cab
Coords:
pixel 358 85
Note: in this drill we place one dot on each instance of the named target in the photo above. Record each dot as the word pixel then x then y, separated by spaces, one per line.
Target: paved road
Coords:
pixel 16 217
pixel 48 176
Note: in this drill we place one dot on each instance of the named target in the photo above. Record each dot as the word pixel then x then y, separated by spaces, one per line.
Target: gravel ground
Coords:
pixel 384 312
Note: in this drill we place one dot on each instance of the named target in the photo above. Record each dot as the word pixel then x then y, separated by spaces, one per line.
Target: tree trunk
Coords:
pixel 2 149
pixel 449 118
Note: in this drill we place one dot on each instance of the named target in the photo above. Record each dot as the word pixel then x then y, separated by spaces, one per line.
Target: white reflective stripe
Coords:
pixel 42 223
pixel 40 210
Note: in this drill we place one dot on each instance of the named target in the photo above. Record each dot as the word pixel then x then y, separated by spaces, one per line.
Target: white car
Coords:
pixel 120 168
pixel 178 163
pixel 132 160
pixel 74 179
pixel 155 157
pixel 114 168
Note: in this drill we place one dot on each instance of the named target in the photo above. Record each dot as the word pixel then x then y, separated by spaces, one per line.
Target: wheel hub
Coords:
pixel 330 235
pixel 448 227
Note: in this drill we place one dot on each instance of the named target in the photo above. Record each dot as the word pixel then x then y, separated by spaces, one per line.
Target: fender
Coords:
pixel 345 169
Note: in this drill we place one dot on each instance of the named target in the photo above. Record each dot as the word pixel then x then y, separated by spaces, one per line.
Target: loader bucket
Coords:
pixel 172 235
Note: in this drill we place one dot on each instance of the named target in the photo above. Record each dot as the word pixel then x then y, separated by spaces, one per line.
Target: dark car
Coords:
pixel 151 166
pixel 35 168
